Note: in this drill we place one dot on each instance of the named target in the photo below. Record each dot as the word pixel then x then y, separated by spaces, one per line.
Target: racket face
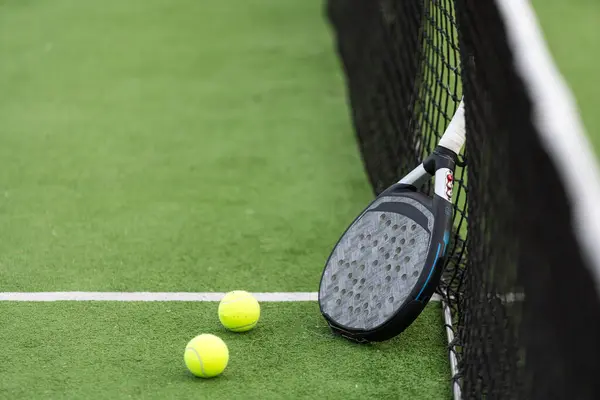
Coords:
pixel 379 265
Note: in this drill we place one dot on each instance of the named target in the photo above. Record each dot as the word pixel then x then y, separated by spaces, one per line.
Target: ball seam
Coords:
pixel 199 360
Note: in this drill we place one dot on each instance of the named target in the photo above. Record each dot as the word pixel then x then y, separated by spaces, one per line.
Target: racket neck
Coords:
pixel 441 164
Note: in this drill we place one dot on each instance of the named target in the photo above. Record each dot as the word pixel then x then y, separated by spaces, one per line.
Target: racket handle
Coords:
pixel 454 137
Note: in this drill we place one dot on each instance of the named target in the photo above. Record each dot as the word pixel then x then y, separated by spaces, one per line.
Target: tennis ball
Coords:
pixel 206 355
pixel 239 311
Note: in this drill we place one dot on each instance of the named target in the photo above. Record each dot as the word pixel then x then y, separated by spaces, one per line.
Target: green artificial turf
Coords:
pixel 171 145
pixel 135 350
pixel 155 145
pixel 572 32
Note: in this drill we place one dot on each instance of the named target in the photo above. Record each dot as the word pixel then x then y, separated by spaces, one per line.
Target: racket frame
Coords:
pixel 441 164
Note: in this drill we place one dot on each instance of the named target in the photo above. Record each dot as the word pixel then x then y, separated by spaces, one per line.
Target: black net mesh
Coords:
pixel 530 321
pixel 524 308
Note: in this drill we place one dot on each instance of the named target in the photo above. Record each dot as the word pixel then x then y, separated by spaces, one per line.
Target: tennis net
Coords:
pixel 520 286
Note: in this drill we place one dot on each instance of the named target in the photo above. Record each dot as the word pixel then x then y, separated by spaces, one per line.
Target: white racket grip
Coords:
pixel 454 137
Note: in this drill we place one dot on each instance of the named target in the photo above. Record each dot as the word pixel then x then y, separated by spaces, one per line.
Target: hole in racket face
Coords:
pixel 386 252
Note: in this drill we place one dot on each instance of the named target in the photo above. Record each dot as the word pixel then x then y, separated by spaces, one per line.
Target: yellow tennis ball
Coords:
pixel 206 355
pixel 239 311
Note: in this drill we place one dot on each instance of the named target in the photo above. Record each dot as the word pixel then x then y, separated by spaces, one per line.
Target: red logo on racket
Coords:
pixel 449 184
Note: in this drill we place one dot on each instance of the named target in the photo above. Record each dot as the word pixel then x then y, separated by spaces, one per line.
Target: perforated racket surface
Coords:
pixel 377 263
pixel 386 265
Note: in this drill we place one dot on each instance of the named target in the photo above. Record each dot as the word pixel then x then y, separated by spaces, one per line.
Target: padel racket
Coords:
pixel 386 266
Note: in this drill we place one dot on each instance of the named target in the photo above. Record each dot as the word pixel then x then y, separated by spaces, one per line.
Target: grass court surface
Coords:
pixel 182 146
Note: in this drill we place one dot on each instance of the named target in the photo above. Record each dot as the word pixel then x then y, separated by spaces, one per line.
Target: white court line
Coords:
pixel 154 296
pixel 148 296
